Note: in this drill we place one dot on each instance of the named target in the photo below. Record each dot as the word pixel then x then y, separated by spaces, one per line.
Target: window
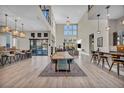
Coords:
pixel 38 34
pixel 70 30
pixel 46 13
pixel 45 34
pixel 33 35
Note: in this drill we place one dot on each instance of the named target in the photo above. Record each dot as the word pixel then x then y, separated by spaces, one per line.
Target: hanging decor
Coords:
pixel 108 15
pixel 15 33
pixel 22 33
pixel 5 28
pixel 68 21
pixel 98 30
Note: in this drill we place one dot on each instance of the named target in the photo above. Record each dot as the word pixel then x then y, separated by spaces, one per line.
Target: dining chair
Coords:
pixel 117 60
pixel 103 59
pixel 94 56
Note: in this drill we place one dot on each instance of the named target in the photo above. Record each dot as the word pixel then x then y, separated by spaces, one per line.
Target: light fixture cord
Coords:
pixel 15 24
pixel 98 21
pixel 22 27
pixel 6 19
pixel 107 13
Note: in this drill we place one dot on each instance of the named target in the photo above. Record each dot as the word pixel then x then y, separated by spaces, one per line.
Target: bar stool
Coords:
pixel 11 57
pixel 103 59
pixel 94 56
pixel 22 54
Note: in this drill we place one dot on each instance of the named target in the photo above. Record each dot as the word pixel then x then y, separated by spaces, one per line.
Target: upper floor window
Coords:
pixel 70 30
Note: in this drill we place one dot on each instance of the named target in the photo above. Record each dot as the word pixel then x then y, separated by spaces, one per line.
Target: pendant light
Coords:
pixel 68 21
pixel 22 33
pixel 108 15
pixel 15 33
pixel 122 21
pixel 98 30
pixel 5 28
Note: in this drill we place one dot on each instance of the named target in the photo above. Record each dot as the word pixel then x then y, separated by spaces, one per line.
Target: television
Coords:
pixel 79 45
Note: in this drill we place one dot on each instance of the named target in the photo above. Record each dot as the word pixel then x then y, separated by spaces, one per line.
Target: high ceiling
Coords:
pixel 74 12
pixel 115 11
pixel 29 15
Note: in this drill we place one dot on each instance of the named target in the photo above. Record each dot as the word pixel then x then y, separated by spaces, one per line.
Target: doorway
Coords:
pixel 91 42
pixel 39 47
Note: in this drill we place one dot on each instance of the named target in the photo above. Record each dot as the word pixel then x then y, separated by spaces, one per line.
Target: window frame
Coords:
pixel 70 31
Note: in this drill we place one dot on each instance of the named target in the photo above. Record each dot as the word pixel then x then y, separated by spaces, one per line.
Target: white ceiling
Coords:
pixel 115 11
pixel 29 15
pixel 74 12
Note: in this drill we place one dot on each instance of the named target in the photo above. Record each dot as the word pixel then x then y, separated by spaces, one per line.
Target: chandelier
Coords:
pixel 15 33
pixel 22 33
pixel 5 28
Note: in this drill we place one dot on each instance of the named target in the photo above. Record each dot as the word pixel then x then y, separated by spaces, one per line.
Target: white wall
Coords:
pixel 59 35
pixel 87 27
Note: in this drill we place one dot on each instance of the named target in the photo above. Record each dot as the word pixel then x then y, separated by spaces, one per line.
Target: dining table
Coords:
pixel 62 58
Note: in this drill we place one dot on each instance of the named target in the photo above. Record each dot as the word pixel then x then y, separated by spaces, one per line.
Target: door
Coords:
pixel 39 47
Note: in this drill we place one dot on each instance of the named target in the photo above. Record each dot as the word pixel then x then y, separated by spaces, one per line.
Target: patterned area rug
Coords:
pixel 49 71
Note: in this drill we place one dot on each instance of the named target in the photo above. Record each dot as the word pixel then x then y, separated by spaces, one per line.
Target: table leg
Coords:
pixel 103 63
pixel 2 61
pixel 118 68
pixel 69 65
pixel 56 66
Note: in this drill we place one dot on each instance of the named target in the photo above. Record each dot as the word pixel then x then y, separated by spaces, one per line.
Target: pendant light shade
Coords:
pixel 15 33
pixel 108 15
pixel 98 30
pixel 22 34
pixel 5 28
pixel 68 21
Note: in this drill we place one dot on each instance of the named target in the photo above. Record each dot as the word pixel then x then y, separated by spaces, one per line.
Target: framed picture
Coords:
pixel 100 42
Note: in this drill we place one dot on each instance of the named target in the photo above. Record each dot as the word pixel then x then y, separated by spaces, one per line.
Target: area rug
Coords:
pixel 49 71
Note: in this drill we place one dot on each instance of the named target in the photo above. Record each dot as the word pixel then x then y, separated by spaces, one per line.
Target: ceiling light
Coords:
pixel 108 15
pixel 98 31
pixel 5 28
pixel 22 34
pixel 68 21
pixel 108 28
pixel 122 21
pixel 15 33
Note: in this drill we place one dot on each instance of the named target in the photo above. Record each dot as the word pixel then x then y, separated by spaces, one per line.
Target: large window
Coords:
pixel 70 30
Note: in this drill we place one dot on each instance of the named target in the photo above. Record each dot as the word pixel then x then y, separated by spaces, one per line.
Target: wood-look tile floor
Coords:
pixel 25 74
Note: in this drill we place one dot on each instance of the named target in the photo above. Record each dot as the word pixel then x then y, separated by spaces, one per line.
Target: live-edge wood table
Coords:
pixel 62 56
